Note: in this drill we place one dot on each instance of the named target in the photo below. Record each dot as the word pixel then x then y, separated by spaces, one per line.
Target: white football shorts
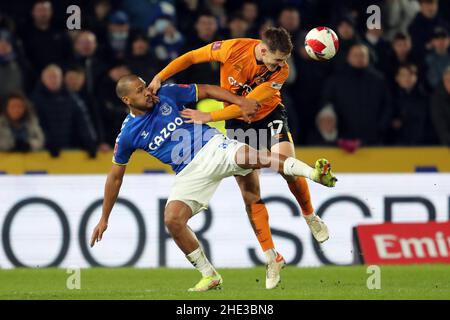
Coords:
pixel 196 183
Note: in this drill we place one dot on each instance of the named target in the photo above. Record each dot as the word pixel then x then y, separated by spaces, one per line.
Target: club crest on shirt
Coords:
pixel 217 45
pixel 166 109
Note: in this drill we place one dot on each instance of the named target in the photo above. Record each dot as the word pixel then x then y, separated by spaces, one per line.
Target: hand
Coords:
pixel 155 98
pixel 97 234
pixel 249 107
pixel 155 85
pixel 196 116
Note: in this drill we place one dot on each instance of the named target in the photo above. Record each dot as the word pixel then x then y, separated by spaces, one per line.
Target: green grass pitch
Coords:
pixel 397 282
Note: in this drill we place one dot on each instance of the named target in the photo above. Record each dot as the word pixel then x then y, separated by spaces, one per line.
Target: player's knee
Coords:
pixel 251 198
pixel 173 221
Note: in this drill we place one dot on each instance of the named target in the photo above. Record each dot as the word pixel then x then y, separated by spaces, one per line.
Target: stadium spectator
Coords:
pixel 217 8
pixel 206 32
pixel 187 11
pixel 348 36
pixel 63 123
pixel 401 53
pixel 237 27
pixel 421 29
pixel 142 60
pixel 143 13
pixel 11 78
pixel 250 12
pixel 410 109
pixel 19 125
pixel 289 19
pixel 85 47
pixel 166 39
pixel 398 16
pixel 307 94
pixel 325 132
pixel 359 96
pixel 439 58
pixel 379 47
pixel 118 35
pixel 43 43
pixel 440 109
pixel 98 21
pixel 75 83
pixel 112 110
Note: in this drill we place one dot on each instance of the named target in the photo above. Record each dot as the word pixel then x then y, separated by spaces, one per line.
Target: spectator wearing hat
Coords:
pixel 118 35
pixel 423 25
pixel 167 41
pixel 325 132
pixel 439 58
pixel 19 125
pixel 440 109
pixel 11 77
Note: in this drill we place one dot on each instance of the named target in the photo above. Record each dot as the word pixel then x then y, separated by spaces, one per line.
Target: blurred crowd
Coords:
pixel 387 86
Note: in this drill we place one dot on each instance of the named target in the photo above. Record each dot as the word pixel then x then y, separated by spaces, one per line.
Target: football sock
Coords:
pixel 260 222
pixel 295 167
pixel 199 260
pixel 271 255
pixel 300 190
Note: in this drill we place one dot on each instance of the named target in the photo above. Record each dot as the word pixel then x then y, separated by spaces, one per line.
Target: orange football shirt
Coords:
pixel 240 73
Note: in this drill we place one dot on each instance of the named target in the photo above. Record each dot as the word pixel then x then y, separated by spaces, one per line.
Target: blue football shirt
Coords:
pixel 162 132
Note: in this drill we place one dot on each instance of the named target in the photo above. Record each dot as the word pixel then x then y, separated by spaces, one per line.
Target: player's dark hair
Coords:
pixel 277 39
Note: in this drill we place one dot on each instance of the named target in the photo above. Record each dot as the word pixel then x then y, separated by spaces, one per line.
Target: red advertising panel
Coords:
pixel 404 243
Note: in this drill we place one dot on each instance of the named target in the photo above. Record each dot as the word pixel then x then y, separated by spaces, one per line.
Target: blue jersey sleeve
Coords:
pixel 180 93
pixel 122 151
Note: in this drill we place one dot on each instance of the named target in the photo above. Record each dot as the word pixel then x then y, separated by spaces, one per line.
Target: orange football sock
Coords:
pixel 300 190
pixel 260 223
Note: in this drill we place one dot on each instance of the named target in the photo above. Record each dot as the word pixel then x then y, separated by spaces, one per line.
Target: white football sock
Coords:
pixel 295 167
pixel 198 259
pixel 271 255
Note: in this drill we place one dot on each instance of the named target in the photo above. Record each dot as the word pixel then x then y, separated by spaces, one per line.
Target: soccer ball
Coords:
pixel 321 43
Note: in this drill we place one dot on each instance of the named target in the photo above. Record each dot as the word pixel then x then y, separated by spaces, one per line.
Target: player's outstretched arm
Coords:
pixel 112 188
pixel 215 92
pixel 179 64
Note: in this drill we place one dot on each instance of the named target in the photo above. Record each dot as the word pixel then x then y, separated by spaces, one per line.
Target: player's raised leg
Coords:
pixel 299 188
pixel 176 216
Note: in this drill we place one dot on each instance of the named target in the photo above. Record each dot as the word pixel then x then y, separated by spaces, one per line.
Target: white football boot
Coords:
pixel 273 270
pixel 318 228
